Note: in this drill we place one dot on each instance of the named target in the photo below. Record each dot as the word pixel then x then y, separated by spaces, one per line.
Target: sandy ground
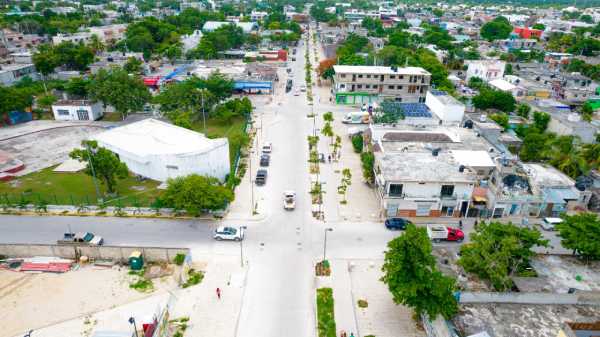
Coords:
pixel 31 301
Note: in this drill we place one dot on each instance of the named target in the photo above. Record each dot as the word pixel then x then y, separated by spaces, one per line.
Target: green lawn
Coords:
pixel 326 320
pixel 74 189
pixel 234 130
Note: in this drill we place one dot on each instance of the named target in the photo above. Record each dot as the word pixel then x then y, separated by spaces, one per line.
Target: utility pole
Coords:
pixel 251 183
pixel 87 146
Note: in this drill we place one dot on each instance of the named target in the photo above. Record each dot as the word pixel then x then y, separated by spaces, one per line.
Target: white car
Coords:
pixel 229 233
pixel 303 88
pixel 289 200
pixel 297 92
pixel 549 223
pixel 267 147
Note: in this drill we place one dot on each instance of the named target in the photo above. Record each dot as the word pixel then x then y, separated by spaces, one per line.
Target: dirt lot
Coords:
pixel 564 272
pixel 31 301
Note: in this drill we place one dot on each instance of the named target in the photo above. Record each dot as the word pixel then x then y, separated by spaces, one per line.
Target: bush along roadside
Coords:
pixel 325 316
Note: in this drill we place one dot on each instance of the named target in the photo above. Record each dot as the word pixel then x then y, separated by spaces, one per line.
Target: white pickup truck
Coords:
pixel 289 200
pixel 357 117
pixel 439 233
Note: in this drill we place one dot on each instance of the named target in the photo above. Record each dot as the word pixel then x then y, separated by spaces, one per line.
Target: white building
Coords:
pixel 11 73
pixel 247 27
pixel 487 70
pixel 159 150
pixel 81 110
pixel 506 86
pixel 110 32
pixel 191 41
pixel 257 15
pixel 447 108
pixel 81 37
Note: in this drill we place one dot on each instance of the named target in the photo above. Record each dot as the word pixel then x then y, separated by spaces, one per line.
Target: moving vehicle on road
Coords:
pixel 267 147
pixel 232 233
pixel 357 117
pixel 396 223
pixel 549 223
pixel 289 200
pixel 439 233
pixel 81 238
pixel 261 177
pixel 265 159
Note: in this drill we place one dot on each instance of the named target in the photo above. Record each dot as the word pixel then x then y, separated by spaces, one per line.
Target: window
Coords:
pixel 395 190
pixel 392 77
pixel 401 77
pixel 412 89
pixel 368 76
pixel 62 112
pixel 359 86
pixel 447 190
pixel 375 86
pixel 390 87
pixel 360 76
pixel 399 87
pixel 342 86
pixel 367 86
pixel 343 75
pixel 398 99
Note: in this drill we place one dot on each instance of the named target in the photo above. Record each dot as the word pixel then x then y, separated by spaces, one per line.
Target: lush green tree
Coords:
pixel 45 60
pixel 217 84
pixel 532 148
pixel 77 86
pixel 133 65
pixel 185 96
pixel 327 131
pixel 581 233
pixel 96 45
pixel 328 116
pixel 357 143
pixel 103 163
pixel 523 110
pixel 14 99
pixel 233 108
pixel 196 194
pixel 586 18
pixel 539 26
pixel 325 68
pixel 494 99
pixel 367 160
pixel 497 29
pixel 45 101
pixel 115 87
pixel 541 120
pixel 74 56
pixel 173 52
pixel 587 112
pixel 438 12
pixel 498 251
pixel 409 271
pixel 476 83
pixel 500 118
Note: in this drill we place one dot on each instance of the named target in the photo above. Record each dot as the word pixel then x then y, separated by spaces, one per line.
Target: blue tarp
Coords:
pixel 240 85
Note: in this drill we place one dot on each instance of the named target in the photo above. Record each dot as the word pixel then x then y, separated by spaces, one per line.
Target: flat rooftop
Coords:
pixel 522 320
pixel 422 167
pixel 378 70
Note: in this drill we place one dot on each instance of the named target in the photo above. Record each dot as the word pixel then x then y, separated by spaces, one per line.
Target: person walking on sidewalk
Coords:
pixel 218 293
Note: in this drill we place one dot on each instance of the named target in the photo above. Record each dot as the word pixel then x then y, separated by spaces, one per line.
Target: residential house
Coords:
pixel 528 33
pixel 77 110
pixel 367 84
pixel 487 70
pixel 12 73
pixel 556 190
pixel 447 108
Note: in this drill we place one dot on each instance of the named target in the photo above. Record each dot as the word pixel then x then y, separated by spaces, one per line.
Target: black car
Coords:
pixel 288 85
pixel 261 177
pixel 396 223
pixel 265 159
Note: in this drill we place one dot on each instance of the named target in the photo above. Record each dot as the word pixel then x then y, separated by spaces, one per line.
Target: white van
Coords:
pixel 549 223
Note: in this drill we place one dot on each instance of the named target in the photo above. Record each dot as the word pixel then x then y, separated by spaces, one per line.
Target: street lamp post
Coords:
pixel 329 229
pixel 132 321
pixel 89 152
pixel 28 334
pixel 242 245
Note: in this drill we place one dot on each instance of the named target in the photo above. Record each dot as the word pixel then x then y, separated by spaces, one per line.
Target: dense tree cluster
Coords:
pixel 497 29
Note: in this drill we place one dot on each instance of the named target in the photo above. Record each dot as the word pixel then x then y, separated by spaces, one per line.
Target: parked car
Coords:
pixel 267 147
pixel 293 59
pixel 265 159
pixel 289 200
pixel 81 238
pixel 297 92
pixel 439 233
pixel 303 88
pixel 261 177
pixel 288 85
pixel 396 223
pixel 549 223
pixel 289 70
pixel 229 233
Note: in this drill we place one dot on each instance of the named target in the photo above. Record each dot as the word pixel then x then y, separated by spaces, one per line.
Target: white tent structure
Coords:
pixel 159 150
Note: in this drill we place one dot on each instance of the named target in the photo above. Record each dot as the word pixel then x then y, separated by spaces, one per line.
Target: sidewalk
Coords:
pixel 344 302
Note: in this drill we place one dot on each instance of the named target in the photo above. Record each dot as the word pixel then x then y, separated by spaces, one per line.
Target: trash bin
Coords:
pixel 136 260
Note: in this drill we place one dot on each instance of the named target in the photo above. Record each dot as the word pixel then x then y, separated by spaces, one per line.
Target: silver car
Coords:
pixel 229 233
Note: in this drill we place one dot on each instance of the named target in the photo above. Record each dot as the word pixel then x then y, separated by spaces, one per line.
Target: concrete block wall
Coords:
pixel 115 253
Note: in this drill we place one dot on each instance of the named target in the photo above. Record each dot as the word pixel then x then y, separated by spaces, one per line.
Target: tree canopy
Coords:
pixel 581 233
pixel 412 277
pixel 494 99
pixel 196 194
pixel 497 29
pixel 105 164
pixel 498 251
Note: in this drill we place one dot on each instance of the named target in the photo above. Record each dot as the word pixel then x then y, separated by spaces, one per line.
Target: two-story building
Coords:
pixel 368 84
pixel 487 70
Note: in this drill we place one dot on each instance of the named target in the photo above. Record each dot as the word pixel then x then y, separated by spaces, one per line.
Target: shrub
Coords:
pixel 363 303
pixel 178 259
pixel 357 143
pixel 368 160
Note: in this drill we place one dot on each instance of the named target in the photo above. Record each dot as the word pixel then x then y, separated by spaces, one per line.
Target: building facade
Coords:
pixel 368 84
pixel 81 110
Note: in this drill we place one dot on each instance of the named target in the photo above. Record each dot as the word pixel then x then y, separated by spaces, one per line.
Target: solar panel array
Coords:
pixel 415 110
pixel 395 111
